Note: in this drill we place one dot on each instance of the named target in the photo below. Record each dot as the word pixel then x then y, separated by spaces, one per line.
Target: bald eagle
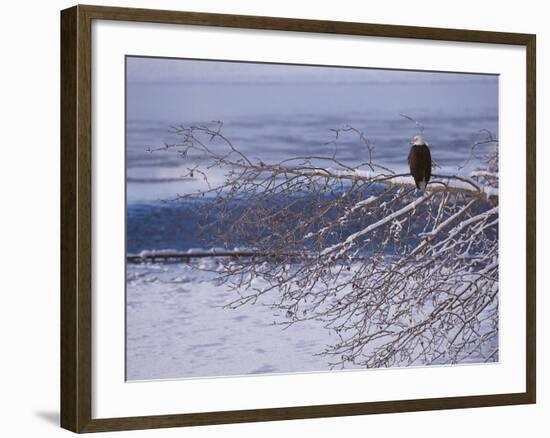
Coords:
pixel 420 162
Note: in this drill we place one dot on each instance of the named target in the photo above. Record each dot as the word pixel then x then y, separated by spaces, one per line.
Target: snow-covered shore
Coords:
pixel 177 328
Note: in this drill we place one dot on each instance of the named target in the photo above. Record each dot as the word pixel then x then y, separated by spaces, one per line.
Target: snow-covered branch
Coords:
pixel 400 276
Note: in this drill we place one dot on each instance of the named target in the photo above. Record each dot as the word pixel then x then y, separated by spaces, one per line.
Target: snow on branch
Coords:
pixel 399 276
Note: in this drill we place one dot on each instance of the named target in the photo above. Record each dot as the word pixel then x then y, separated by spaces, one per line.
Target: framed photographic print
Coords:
pixel 268 218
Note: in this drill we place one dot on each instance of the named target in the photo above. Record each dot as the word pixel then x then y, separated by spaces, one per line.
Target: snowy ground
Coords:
pixel 177 327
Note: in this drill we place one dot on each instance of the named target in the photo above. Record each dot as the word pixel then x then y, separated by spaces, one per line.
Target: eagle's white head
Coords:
pixel 418 140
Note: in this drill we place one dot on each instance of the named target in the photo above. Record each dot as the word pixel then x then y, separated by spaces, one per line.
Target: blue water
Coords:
pixel 164 226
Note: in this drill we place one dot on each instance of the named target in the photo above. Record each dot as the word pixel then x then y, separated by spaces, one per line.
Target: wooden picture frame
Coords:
pixel 76 218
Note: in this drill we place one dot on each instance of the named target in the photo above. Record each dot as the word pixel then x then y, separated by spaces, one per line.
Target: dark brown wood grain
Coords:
pixel 531 221
pixel 76 219
pixel 69 330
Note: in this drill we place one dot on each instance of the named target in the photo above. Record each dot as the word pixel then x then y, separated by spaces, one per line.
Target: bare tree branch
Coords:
pixel 401 277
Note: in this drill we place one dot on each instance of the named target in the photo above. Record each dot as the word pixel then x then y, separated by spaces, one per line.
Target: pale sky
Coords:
pixel 179 70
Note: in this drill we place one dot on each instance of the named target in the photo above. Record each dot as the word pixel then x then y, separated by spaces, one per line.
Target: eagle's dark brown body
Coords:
pixel 420 164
